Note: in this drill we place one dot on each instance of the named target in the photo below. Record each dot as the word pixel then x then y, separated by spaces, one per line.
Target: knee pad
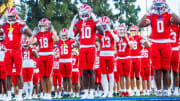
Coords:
pixel 157 71
pixel 91 72
pixel 96 83
pixel 165 71
pixel 85 72
pixel 137 78
pixel 175 73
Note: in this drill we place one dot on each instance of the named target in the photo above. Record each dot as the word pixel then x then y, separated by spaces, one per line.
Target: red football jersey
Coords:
pixel 160 25
pixel 123 48
pixel 75 61
pixel 45 41
pixel 137 46
pixel 106 41
pixel 97 60
pixel 2 46
pixel 13 35
pixel 145 54
pixel 27 53
pixel 65 48
pixel 56 64
pixel 2 51
pixel 87 31
pixel 175 35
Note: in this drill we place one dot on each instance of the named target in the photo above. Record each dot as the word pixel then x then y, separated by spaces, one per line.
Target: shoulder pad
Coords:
pixel 4 25
pixel 37 34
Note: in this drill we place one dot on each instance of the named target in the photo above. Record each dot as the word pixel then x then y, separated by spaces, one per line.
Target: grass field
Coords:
pixel 116 98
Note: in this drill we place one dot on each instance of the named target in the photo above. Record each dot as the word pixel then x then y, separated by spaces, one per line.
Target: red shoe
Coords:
pixel 127 94
pixel 122 94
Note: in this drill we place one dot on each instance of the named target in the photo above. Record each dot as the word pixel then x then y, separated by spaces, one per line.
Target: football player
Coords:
pixel 28 54
pixel 57 79
pixel 160 18
pixel 86 26
pixel 45 37
pixel 107 52
pixel 13 28
pixel 35 76
pixel 97 73
pixel 65 45
pixel 145 70
pixel 174 58
pixel 75 73
pixel 138 41
pixel 116 88
pixel 123 58
pixel 3 89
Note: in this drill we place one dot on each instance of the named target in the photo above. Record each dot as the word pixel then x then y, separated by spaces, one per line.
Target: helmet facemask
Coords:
pixel 121 32
pixel 84 14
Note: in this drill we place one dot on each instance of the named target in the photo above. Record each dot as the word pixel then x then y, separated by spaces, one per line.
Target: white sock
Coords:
pixel 105 83
pixel 122 90
pixel 138 91
pixel 9 93
pixel 26 88
pixel 56 94
pixel 148 91
pixel 59 93
pixel 65 93
pixel 144 91
pixel 20 92
pixel 127 90
pixel 30 88
pixel 49 94
pixel 100 92
pixel 169 89
pixel 91 91
pixel 176 89
pixel 86 91
pixel 111 76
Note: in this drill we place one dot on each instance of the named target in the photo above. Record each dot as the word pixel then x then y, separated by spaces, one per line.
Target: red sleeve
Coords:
pixel 72 41
pixel 130 38
pixel 75 31
pixel 98 35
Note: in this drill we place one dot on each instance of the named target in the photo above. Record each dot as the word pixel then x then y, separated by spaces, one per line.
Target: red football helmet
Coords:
pixel 85 12
pixel 121 30
pixel 25 41
pixel 44 25
pixel 104 21
pixel 134 30
pixel 64 33
pixel 12 15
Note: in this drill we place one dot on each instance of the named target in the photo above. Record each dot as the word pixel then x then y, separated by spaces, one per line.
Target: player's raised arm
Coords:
pixel 144 22
pixel 174 19
pixel 55 36
pixel 73 29
pixel 33 40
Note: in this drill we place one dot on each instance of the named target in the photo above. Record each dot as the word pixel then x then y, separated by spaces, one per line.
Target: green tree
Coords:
pixel 127 9
pixel 100 8
pixel 59 12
